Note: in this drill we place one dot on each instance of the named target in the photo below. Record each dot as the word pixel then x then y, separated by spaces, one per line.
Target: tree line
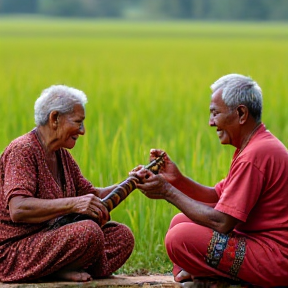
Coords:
pixel 261 10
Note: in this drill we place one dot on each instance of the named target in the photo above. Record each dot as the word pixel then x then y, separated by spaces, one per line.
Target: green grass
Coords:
pixel 148 87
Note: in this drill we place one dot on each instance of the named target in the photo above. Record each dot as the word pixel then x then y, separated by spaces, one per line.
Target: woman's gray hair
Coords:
pixel 59 98
pixel 240 90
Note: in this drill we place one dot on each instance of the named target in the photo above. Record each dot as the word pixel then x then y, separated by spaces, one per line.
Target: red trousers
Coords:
pixel 206 253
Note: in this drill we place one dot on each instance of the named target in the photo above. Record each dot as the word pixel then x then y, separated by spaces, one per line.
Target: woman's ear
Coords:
pixel 243 113
pixel 53 119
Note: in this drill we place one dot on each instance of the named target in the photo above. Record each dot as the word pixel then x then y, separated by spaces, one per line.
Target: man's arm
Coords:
pixel 200 213
pixel 195 190
pixel 156 187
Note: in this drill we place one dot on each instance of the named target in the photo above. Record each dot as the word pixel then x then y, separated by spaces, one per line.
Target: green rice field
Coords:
pixel 147 85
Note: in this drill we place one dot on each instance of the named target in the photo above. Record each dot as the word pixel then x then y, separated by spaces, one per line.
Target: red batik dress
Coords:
pixel 31 251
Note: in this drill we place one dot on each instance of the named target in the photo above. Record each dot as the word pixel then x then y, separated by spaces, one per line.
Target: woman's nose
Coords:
pixel 82 129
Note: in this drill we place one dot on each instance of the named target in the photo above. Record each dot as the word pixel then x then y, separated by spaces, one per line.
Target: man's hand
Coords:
pixel 151 185
pixel 168 170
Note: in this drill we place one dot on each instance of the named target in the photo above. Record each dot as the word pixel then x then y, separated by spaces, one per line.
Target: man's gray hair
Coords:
pixel 58 98
pixel 240 90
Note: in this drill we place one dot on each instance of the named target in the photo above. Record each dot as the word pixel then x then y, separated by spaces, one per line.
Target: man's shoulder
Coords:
pixel 265 149
pixel 266 142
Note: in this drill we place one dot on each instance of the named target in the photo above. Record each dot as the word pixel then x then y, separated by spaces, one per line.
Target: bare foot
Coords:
pixel 76 276
pixel 183 276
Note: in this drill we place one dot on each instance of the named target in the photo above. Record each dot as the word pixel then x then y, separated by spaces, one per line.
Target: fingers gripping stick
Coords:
pixel 154 166
pixel 126 187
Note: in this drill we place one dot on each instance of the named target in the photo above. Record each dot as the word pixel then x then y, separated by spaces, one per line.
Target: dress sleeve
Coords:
pixel 240 190
pixel 20 170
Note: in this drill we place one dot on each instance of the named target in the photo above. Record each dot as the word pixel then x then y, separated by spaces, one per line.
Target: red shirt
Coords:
pixel 256 190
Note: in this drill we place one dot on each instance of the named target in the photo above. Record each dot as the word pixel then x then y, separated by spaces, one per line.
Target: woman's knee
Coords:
pixel 85 232
pixel 130 240
pixel 126 231
pixel 118 234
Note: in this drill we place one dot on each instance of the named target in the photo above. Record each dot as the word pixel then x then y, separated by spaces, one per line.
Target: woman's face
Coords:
pixel 70 126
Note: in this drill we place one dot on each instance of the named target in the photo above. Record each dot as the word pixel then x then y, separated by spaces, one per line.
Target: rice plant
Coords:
pixel 148 87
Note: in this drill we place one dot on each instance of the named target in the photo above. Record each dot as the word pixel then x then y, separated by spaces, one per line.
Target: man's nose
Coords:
pixel 211 121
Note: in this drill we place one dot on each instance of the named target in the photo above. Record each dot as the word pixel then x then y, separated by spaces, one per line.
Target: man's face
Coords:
pixel 224 119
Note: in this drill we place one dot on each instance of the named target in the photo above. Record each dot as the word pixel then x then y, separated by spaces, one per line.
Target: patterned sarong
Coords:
pixel 226 252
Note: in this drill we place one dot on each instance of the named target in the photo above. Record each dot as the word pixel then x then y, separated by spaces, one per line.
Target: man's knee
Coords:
pixel 179 218
pixel 187 238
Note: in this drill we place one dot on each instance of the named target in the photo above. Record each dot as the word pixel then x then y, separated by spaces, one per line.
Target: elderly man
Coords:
pixel 244 236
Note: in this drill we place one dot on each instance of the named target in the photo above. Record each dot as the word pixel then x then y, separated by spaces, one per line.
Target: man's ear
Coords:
pixel 243 113
pixel 53 119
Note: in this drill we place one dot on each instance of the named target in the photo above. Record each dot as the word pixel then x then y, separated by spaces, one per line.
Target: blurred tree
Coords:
pixel 156 9
pixel 16 6
pixel 200 9
pixel 185 9
pixel 60 8
pixel 81 8
pixel 279 10
pixel 253 10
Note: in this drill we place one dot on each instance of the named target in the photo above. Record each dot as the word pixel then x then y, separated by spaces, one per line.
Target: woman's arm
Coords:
pixel 103 192
pixel 33 210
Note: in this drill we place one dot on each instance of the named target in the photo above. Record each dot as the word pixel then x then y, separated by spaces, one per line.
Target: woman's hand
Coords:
pixel 92 206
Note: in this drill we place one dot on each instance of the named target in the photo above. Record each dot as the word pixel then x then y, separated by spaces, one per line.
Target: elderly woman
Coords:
pixel 40 182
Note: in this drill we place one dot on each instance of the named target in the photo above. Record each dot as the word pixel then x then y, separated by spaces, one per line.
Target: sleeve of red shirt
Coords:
pixel 240 190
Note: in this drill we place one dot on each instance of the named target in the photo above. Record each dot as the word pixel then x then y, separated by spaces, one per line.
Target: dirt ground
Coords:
pixel 124 281
pixel 155 281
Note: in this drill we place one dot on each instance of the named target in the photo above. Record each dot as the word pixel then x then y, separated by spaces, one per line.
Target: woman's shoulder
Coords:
pixel 26 142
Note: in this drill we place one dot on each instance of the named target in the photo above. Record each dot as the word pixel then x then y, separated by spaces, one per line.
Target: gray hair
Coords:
pixel 238 89
pixel 59 98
